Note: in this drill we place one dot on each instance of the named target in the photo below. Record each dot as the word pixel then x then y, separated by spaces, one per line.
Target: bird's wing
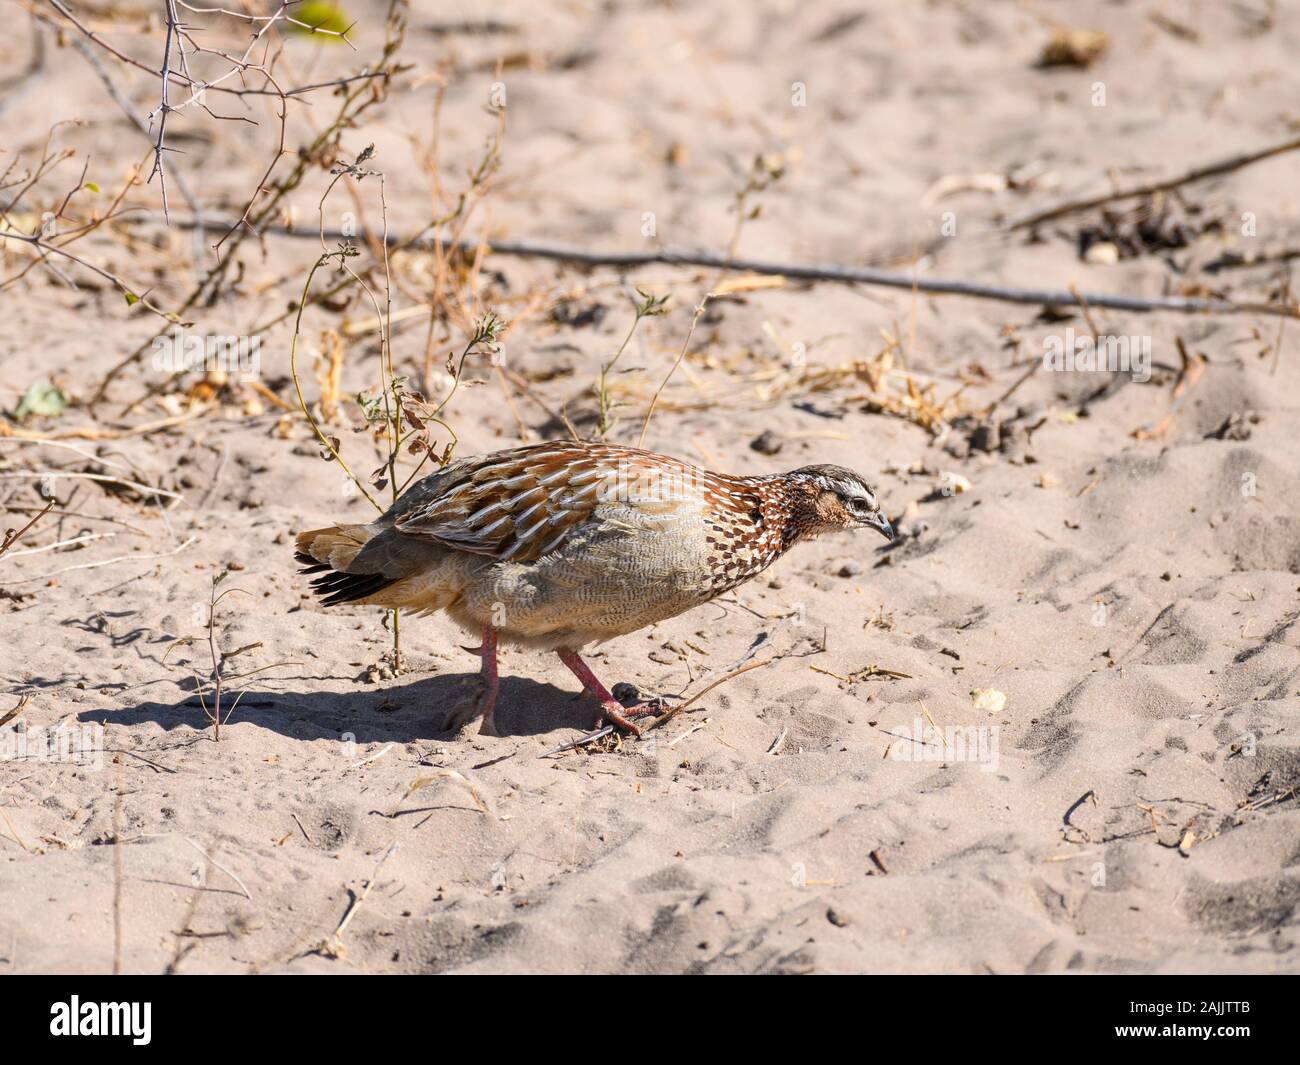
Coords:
pixel 521 504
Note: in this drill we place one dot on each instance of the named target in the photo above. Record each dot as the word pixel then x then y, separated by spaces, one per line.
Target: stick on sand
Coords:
pixel 862 275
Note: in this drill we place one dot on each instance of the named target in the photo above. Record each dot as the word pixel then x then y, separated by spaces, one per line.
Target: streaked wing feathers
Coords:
pixel 520 505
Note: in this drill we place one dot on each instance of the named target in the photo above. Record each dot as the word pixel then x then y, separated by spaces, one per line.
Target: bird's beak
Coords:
pixel 879 522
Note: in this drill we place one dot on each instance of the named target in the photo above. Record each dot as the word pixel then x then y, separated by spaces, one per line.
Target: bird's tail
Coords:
pixel 330 553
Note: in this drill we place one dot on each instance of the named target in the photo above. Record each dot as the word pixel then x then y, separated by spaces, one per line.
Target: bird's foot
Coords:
pixel 617 713
pixel 616 707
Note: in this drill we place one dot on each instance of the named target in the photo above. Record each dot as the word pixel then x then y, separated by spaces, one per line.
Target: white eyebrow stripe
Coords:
pixel 850 489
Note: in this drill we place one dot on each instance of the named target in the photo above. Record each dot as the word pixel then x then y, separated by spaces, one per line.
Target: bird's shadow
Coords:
pixel 420 708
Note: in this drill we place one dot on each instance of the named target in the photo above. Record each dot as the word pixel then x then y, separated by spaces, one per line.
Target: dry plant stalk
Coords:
pixel 215 684
pixel 455 267
pixel 217 679
pixel 649 306
pixel 890 390
pixel 12 536
pixel 397 415
pixel 329 373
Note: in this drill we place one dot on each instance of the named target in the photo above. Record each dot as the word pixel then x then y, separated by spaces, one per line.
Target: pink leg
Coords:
pixel 611 709
pixel 488 651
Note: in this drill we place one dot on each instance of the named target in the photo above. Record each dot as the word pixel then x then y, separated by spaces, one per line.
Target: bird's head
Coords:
pixel 831 497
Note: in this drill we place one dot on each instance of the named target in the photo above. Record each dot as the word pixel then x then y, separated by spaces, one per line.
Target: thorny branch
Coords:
pixel 356 94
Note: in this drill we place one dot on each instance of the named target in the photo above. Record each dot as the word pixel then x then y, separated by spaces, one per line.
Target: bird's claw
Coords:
pixel 616 714
pixel 615 717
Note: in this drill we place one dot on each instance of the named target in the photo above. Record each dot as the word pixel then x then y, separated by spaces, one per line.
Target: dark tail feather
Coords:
pixel 309 564
pixel 337 588
pixel 327 552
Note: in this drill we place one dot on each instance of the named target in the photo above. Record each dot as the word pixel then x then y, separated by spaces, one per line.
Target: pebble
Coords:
pixel 986 437
pixel 1104 253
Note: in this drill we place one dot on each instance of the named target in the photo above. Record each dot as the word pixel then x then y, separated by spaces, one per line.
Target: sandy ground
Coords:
pixel 1130 807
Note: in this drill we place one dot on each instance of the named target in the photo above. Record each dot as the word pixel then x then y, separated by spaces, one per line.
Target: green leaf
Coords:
pixel 651 306
pixel 131 298
pixel 92 186
pixel 321 15
pixel 43 398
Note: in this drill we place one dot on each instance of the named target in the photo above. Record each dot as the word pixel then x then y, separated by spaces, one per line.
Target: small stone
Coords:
pixel 851 568
pixel 836 918
pixel 986 437
pixel 626 693
pixel 767 443
pixel 1103 253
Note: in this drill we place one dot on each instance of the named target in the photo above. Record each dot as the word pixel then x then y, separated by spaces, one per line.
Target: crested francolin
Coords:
pixel 561 545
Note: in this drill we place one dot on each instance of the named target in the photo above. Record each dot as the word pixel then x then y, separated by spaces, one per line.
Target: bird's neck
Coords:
pixel 763 518
pixel 788 506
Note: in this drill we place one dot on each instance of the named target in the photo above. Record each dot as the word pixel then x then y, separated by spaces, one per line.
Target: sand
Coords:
pixel 1121 594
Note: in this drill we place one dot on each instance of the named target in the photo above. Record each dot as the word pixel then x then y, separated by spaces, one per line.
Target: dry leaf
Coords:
pixel 1074 48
